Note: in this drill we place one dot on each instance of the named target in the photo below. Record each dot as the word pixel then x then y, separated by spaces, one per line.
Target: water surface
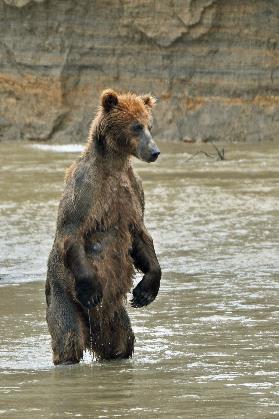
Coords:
pixel 208 346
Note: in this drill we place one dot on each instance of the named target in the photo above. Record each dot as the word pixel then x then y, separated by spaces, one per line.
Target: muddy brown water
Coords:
pixel 208 346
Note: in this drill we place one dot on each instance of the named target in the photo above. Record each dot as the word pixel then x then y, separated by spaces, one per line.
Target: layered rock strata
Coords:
pixel 212 64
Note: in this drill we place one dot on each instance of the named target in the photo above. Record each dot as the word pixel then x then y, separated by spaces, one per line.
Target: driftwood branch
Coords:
pixel 220 153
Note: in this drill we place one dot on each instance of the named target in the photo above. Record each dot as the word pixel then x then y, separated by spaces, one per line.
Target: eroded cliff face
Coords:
pixel 212 64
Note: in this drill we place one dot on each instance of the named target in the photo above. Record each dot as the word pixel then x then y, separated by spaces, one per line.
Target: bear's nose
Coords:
pixel 155 154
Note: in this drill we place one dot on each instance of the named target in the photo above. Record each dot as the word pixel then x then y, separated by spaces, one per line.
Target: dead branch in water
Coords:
pixel 220 153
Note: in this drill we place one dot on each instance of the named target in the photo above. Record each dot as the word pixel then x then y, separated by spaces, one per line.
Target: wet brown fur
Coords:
pixel 102 203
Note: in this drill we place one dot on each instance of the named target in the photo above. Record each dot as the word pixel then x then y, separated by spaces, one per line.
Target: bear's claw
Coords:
pixel 88 293
pixel 93 302
pixel 141 298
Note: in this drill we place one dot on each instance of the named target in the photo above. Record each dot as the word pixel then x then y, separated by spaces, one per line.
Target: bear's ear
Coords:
pixel 149 101
pixel 109 99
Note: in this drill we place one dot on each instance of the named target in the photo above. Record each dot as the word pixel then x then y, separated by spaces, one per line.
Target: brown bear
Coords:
pixel 101 237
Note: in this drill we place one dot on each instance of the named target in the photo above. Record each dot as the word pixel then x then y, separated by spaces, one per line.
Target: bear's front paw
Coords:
pixel 146 291
pixel 89 292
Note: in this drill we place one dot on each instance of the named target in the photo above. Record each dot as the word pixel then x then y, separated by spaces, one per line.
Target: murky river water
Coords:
pixel 208 346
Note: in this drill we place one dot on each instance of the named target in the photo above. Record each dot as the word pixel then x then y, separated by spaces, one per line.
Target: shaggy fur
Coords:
pixel 101 237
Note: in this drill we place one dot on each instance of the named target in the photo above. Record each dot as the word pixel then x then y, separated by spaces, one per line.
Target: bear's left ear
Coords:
pixel 149 101
pixel 109 99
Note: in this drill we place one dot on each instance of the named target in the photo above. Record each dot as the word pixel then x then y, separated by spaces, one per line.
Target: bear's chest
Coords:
pixel 116 213
pixel 124 205
pixel 116 204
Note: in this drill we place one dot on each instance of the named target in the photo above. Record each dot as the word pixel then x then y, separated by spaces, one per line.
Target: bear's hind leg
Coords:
pixel 67 327
pixel 113 337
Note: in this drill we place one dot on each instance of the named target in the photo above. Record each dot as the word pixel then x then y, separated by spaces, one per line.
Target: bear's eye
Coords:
pixel 137 127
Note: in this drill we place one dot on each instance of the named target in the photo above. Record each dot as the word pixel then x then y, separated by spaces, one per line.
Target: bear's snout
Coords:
pixel 155 154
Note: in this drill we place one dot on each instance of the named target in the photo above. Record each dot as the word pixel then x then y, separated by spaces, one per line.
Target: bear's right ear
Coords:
pixel 109 99
pixel 149 100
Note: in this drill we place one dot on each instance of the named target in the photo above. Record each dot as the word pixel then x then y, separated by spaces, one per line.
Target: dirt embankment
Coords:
pixel 213 65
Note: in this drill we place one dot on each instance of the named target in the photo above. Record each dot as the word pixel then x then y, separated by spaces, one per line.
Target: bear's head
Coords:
pixel 124 125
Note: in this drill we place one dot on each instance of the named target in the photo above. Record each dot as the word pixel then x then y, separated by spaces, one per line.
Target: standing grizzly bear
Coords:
pixel 101 237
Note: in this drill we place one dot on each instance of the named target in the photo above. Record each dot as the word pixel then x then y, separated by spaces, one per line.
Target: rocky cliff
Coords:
pixel 212 64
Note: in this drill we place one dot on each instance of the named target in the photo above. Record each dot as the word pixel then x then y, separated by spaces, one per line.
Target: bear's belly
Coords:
pixel 109 253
